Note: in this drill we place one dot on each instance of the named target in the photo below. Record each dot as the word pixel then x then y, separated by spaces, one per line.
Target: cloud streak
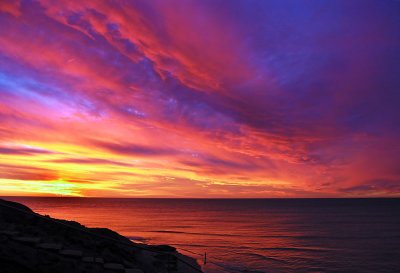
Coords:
pixel 22 151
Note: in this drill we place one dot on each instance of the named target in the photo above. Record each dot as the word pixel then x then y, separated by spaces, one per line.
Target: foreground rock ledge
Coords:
pixel 32 243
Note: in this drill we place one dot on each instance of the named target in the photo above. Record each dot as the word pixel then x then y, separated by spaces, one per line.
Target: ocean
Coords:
pixel 251 235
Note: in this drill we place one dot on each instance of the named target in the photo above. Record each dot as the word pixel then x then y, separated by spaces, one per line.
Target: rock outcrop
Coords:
pixel 32 243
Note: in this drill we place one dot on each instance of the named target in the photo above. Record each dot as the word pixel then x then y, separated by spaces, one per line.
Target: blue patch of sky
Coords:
pixel 27 88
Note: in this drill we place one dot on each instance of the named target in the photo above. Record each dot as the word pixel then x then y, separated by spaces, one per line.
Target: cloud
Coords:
pixel 252 92
pixel 381 187
pixel 90 161
pixel 10 6
pixel 9 171
pixel 135 149
pixel 23 151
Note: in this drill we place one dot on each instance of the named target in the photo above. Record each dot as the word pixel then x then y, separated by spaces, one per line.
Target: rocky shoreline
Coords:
pixel 32 243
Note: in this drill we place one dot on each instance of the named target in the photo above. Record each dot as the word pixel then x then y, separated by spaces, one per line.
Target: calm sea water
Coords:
pixel 263 235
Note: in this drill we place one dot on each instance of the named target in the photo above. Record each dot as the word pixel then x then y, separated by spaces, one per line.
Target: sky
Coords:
pixel 215 98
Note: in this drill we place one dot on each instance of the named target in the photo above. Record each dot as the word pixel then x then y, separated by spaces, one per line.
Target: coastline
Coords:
pixel 33 243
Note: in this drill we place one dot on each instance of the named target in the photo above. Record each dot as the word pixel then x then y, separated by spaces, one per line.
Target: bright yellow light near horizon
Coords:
pixel 58 187
pixel 100 173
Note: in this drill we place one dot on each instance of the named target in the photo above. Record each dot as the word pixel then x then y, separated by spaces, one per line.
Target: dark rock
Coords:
pixel 32 243
pixel 163 248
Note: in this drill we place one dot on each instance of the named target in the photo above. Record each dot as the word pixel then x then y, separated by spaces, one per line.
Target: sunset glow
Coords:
pixel 200 98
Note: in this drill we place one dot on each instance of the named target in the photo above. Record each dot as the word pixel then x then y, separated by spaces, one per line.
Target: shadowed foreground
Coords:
pixel 31 243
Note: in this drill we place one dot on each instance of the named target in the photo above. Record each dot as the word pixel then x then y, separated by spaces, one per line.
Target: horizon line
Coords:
pixel 198 198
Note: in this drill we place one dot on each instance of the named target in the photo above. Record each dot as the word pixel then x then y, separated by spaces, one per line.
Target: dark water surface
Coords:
pixel 252 235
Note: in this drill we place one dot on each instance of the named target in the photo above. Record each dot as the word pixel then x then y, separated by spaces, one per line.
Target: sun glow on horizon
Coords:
pixel 52 188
